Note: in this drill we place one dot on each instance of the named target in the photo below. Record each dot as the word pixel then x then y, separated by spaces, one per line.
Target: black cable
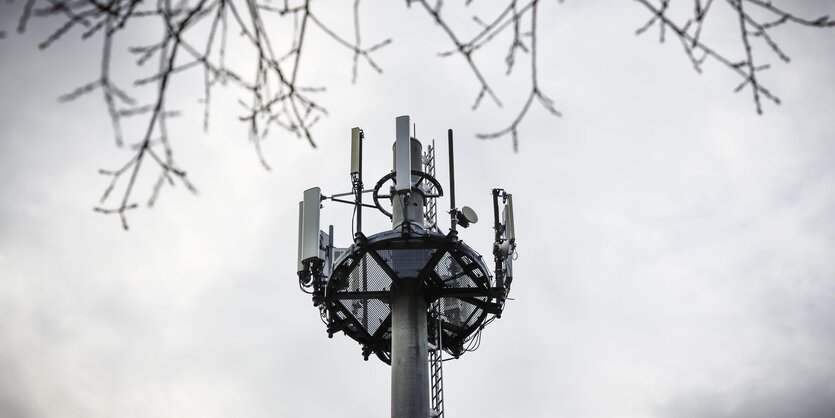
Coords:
pixel 304 288
pixel 353 220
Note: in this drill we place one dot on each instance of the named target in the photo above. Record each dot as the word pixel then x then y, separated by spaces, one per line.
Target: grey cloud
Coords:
pixel 659 220
pixel 809 398
pixel 13 403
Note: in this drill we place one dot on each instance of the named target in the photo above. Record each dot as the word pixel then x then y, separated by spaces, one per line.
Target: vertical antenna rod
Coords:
pixel 359 186
pixel 356 173
pixel 452 213
pixel 497 227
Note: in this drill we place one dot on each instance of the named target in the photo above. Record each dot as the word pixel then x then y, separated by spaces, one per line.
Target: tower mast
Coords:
pixel 403 292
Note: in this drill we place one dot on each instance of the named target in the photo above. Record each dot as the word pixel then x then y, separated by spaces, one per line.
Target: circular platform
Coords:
pixel 455 280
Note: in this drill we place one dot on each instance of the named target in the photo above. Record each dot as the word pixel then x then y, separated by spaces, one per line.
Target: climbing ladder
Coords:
pixel 430 208
pixel 436 359
pixel 436 370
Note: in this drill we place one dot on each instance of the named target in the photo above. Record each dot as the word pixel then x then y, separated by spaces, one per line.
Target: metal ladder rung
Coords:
pixel 430 214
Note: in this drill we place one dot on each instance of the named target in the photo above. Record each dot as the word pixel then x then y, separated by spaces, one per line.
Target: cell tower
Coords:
pixel 409 294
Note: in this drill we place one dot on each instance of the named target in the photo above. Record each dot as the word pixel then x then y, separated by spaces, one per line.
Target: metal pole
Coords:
pixel 359 231
pixel 497 227
pixel 452 212
pixel 359 188
pixel 409 334
pixel 409 352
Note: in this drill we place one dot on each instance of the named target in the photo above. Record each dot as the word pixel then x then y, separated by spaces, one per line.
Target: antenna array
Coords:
pixel 410 293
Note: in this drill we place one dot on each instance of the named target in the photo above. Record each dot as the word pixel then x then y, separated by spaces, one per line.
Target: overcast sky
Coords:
pixel 676 250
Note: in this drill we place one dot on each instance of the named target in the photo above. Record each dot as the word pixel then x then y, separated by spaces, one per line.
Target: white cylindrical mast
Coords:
pixel 409 335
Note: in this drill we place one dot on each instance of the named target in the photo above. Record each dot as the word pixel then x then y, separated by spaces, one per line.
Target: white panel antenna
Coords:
pixel 510 228
pixel 301 227
pixel 310 223
pixel 355 150
pixel 403 155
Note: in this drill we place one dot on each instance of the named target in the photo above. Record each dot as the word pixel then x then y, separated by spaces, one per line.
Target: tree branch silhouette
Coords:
pixel 196 35
pixel 277 97
pixel 511 16
pixel 751 28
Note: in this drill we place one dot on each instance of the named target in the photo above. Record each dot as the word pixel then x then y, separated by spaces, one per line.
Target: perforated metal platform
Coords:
pixel 358 292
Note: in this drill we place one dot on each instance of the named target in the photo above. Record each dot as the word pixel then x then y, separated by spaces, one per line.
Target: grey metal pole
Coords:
pixel 409 339
pixel 409 352
pixel 453 215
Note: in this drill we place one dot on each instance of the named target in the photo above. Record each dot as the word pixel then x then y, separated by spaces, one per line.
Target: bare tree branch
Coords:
pixel 750 28
pixel 276 95
pixel 196 35
pixel 510 16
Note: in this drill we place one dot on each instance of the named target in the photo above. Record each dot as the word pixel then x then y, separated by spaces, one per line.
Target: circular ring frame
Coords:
pixel 390 176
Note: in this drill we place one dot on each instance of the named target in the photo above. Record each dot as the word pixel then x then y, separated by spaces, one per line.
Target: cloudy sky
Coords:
pixel 676 250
